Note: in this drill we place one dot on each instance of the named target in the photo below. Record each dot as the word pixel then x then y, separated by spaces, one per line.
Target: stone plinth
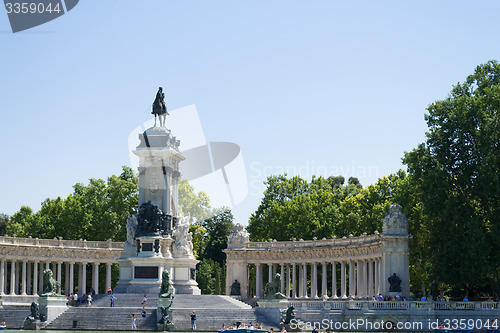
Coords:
pixel 160 326
pixel 274 303
pixel 32 325
pixel 51 307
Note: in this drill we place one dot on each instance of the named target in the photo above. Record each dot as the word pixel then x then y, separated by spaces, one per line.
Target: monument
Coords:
pixel 158 237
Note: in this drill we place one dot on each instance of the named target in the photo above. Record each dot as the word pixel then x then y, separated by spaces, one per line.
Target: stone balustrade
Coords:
pixel 392 305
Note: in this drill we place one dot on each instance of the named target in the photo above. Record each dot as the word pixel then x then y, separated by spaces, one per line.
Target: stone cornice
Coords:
pixel 315 251
pixel 59 250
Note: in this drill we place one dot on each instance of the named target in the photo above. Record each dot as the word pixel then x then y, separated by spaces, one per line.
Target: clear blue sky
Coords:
pixel 340 86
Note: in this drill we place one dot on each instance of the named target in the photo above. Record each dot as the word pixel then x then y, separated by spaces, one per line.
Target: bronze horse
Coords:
pixel 159 107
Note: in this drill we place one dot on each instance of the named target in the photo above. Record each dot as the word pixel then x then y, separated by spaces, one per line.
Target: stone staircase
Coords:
pixel 103 317
pixel 14 316
pixel 211 312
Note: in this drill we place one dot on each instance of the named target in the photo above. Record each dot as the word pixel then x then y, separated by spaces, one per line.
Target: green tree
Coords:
pixel 212 256
pixel 97 211
pixel 457 171
pixel 295 208
pixel 196 205
pixel 218 229
pixel 4 220
pixel 20 222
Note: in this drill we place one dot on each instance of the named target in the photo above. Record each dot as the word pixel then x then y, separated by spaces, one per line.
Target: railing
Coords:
pixel 364 239
pixel 59 242
pixel 392 305
pixel 388 305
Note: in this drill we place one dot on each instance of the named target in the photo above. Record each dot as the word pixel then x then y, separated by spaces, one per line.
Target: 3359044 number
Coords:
pixel 31 8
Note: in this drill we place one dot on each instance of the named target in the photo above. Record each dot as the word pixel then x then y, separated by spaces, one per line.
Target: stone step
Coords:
pixel 124 300
pixel 207 302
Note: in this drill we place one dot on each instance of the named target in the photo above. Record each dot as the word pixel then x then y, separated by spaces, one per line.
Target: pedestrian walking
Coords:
pixel 144 300
pixel 193 320
pixel 134 326
pixel 112 299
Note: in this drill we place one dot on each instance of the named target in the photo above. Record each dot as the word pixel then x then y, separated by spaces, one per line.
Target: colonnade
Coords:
pixel 74 263
pixel 358 279
pixel 364 263
pixel 26 277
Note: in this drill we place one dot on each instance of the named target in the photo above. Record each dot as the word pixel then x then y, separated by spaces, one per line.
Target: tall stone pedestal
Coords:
pixel 51 307
pixel 157 238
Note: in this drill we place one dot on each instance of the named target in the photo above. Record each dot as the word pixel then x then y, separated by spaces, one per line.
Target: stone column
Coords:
pixel 35 278
pixel 28 279
pixel 294 280
pixel 16 290
pixel 364 280
pixel 23 281
pixel 282 282
pixel 383 276
pixel 314 282
pixel 370 279
pixel 334 280
pixel 343 282
pixel 301 284
pixel 108 277
pixel 258 278
pixel 359 274
pixel 287 281
pixel 71 277
pixel 84 278
pixel 142 193
pixel 2 277
pixel 12 277
pixel 54 269
pixel 270 273
pixel 67 292
pixel 175 189
pixel 323 280
pixel 377 289
pixel 47 265
pixel 167 172
pixel 304 280
pixel 95 278
pixel 352 283
pixel 59 279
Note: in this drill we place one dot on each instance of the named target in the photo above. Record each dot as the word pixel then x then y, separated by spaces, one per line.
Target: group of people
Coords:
pixel 134 318
pixel 73 299
pixel 239 325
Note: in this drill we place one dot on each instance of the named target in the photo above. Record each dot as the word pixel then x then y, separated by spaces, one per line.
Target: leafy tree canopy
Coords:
pixel 457 171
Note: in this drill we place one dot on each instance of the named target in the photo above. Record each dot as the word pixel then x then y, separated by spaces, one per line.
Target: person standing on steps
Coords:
pixel 144 300
pixel 134 326
pixel 193 320
pixel 112 299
